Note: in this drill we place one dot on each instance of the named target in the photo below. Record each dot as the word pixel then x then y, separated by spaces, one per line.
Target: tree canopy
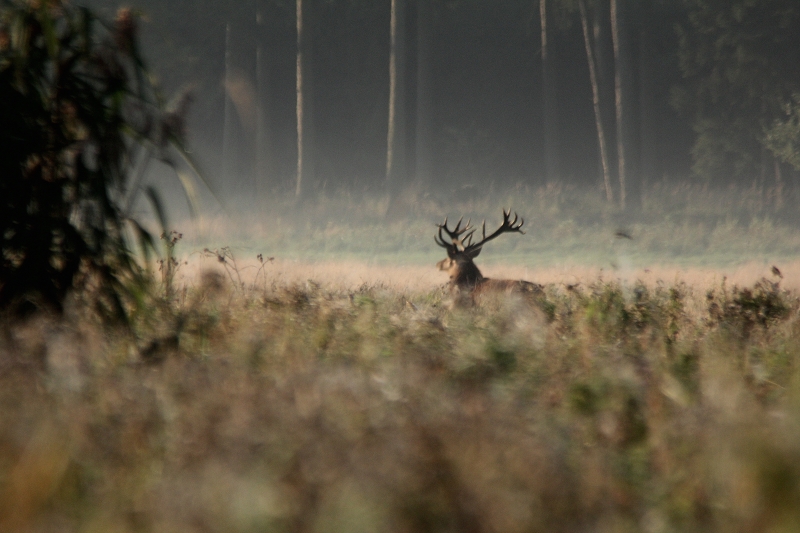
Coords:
pixel 739 63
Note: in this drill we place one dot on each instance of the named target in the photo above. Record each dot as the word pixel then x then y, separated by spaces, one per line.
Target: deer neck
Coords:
pixel 467 276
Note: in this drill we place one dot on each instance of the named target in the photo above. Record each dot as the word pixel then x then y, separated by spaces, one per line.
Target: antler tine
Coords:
pixel 507 226
pixel 458 230
pixel 460 235
pixel 440 239
pixel 466 241
pixel 512 224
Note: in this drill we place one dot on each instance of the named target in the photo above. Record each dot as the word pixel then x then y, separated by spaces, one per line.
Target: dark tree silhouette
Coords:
pixel 75 105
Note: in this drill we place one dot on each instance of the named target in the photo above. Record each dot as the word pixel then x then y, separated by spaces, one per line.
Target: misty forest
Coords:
pixel 400 265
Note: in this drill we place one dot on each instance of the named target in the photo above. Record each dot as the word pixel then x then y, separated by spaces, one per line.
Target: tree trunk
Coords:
pixel 263 146
pixel 305 108
pixel 396 134
pixel 423 135
pixel 648 131
pixel 601 138
pixel 603 53
pixel 778 195
pixel 549 102
pixel 621 87
pixel 227 126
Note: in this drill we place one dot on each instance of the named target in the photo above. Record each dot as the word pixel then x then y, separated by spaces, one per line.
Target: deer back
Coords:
pixel 507 286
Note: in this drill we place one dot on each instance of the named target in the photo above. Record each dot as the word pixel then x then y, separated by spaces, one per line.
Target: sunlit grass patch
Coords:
pixel 683 225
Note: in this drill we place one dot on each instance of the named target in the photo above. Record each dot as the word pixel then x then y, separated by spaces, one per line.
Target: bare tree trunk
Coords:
pixel 299 86
pixel 263 145
pixel 305 133
pixel 227 126
pixel 601 138
pixel 618 101
pixel 395 138
pixel 422 148
pixel 648 131
pixel 549 101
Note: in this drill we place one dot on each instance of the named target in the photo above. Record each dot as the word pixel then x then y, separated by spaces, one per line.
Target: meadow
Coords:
pixel 654 386
pixel 678 224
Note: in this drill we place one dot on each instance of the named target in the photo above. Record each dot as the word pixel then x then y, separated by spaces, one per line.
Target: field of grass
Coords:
pixel 679 225
pixel 310 403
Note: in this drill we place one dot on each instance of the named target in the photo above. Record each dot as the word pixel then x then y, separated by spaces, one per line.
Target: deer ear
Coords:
pixel 451 253
pixel 472 254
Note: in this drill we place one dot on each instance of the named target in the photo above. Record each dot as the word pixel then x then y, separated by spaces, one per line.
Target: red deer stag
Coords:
pixel 466 281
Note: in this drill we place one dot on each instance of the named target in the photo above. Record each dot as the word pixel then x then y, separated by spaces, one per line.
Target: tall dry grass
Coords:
pixel 303 406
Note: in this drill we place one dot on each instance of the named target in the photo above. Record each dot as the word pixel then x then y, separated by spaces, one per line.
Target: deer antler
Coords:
pixel 455 235
pixel 462 236
pixel 508 226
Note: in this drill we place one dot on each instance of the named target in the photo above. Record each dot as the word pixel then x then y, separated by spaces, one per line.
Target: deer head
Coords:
pixel 461 250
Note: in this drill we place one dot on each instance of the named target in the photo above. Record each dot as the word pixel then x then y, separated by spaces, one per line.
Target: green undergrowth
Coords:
pixel 597 407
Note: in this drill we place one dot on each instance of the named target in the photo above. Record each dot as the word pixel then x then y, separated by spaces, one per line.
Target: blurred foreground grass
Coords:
pixel 602 407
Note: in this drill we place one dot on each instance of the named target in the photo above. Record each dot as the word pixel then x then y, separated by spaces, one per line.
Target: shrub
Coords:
pixel 75 105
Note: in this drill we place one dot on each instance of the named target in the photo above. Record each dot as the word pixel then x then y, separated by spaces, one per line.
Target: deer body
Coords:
pixel 466 281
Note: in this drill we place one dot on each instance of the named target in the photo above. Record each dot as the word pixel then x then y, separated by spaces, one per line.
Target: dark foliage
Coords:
pixel 74 105
pixel 738 60
pixel 741 309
